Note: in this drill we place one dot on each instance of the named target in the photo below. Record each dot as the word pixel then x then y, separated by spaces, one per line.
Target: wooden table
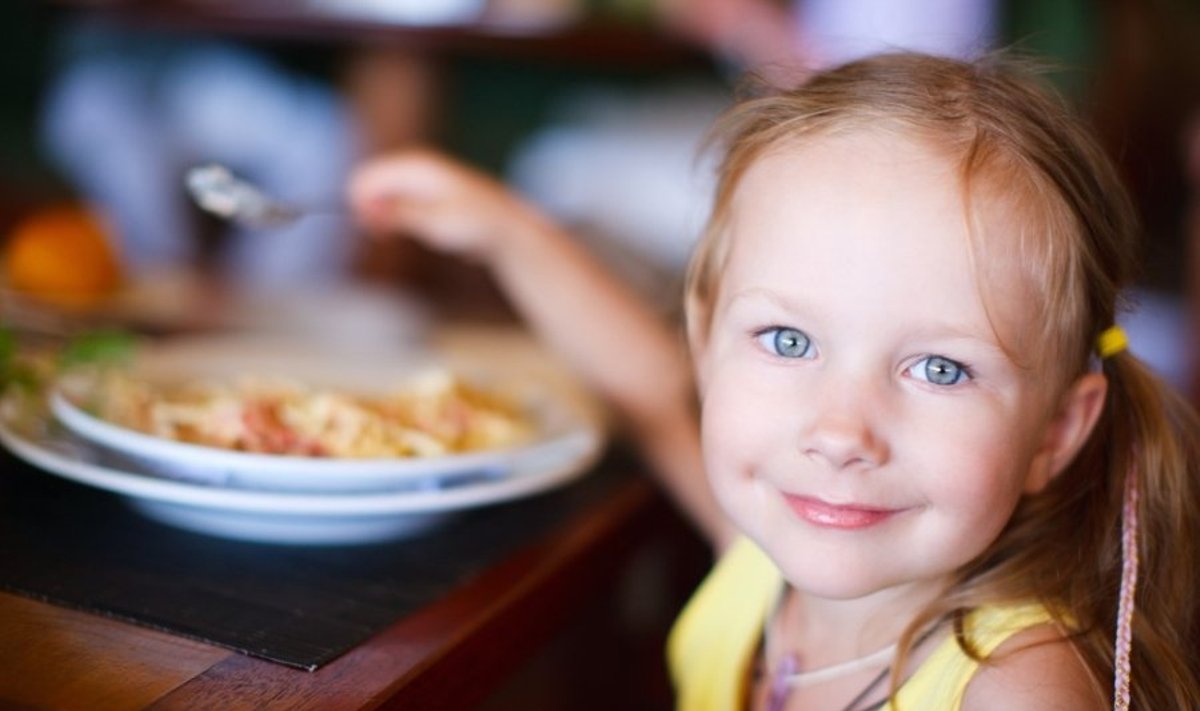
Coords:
pixel 539 629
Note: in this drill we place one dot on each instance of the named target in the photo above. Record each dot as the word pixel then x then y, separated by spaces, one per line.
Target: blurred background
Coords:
pixel 595 109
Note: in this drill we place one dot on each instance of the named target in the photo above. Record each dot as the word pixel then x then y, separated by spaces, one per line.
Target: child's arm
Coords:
pixel 613 340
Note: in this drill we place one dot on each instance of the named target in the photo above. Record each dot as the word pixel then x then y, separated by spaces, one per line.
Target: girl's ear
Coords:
pixel 1078 411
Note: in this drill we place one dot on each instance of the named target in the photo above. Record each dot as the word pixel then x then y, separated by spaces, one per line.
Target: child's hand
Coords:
pixel 625 352
pixel 444 204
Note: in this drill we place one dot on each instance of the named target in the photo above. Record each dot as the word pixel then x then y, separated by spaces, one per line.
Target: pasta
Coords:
pixel 431 415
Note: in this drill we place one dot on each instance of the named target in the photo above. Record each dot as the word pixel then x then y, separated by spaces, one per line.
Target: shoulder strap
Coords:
pixel 712 644
pixel 942 679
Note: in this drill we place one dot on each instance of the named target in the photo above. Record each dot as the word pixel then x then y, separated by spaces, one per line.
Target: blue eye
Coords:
pixel 786 342
pixel 939 371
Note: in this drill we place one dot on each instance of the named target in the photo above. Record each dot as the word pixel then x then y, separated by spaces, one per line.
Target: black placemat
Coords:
pixel 302 606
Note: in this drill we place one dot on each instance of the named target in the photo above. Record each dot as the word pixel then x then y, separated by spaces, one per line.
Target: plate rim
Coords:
pixel 543 475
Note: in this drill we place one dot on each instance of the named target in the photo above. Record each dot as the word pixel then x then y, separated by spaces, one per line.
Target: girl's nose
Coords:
pixel 843 435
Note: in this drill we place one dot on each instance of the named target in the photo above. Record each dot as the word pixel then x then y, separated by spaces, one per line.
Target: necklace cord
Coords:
pixel 786 677
pixel 799 679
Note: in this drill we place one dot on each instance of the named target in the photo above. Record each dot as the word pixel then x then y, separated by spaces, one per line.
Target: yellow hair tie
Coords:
pixel 1111 342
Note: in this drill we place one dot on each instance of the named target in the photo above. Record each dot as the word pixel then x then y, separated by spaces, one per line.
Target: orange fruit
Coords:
pixel 62 254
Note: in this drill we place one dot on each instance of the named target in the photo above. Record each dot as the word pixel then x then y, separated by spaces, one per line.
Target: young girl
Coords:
pixel 946 477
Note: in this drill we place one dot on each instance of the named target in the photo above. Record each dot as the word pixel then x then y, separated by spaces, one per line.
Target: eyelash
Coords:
pixel 768 338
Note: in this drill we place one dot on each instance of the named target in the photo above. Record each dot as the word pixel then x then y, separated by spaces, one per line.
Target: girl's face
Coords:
pixel 861 419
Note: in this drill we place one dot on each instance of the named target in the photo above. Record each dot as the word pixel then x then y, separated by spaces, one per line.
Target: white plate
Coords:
pixel 559 424
pixel 283 517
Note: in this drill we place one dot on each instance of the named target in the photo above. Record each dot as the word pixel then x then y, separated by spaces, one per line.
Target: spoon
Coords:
pixel 218 191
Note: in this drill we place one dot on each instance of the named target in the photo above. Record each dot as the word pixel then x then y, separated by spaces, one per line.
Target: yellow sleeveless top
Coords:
pixel 714 641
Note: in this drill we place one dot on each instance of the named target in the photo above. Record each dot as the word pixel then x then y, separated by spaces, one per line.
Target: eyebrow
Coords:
pixel 758 292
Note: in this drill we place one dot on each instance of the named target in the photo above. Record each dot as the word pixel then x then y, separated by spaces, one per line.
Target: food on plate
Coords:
pixel 435 413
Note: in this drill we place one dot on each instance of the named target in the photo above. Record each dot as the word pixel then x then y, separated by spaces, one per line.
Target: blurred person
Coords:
pixel 127 113
pixel 786 40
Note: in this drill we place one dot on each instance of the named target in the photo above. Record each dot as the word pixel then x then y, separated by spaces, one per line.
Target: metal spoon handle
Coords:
pixel 218 191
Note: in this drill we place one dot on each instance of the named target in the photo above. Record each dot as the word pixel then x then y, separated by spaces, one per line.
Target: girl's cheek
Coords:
pixel 732 434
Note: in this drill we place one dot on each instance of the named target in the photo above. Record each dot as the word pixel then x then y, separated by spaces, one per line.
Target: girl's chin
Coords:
pixel 857 582
pixel 841 589
pixel 831 577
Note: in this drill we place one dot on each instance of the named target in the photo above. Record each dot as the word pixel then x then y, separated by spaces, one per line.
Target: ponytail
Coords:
pixel 1149 431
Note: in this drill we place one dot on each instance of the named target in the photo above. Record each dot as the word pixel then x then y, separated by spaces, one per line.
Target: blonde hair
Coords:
pixel 1019 147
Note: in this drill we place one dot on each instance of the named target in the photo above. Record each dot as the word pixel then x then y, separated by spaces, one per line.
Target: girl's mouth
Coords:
pixel 840 516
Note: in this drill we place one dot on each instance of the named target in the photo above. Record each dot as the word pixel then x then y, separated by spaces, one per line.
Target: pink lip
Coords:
pixel 840 516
